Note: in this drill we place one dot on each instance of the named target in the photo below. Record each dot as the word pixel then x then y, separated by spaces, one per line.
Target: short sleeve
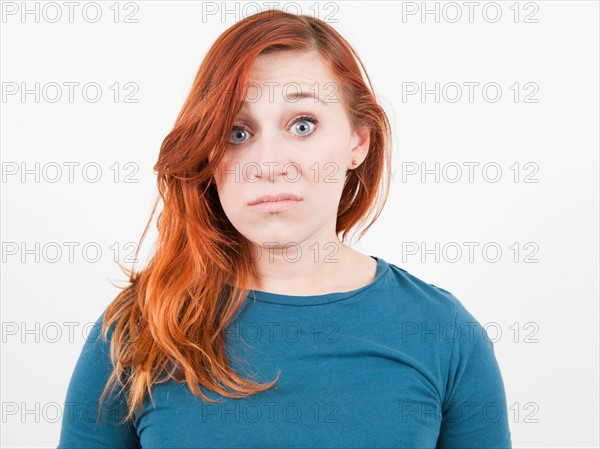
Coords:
pixel 474 409
pixel 92 370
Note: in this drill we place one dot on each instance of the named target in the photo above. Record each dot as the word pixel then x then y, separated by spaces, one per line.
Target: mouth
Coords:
pixel 275 198
pixel 275 206
pixel 275 203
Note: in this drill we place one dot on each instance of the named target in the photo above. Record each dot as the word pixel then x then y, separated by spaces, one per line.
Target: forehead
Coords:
pixel 278 69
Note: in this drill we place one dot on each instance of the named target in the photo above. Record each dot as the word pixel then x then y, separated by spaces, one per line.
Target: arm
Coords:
pixel 474 410
pixel 79 429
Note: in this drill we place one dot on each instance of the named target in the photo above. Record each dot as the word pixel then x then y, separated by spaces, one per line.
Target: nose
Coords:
pixel 273 156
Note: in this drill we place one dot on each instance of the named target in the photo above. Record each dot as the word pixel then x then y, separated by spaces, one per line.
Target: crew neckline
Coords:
pixel 326 298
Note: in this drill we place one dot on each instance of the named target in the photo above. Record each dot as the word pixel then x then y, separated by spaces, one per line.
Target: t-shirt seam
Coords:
pixel 361 290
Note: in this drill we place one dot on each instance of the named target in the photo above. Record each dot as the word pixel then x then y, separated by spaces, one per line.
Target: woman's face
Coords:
pixel 285 143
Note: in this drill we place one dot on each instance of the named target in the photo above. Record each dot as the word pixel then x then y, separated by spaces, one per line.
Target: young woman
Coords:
pixel 254 325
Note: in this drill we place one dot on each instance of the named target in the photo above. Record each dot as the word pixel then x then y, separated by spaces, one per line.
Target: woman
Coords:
pixel 254 325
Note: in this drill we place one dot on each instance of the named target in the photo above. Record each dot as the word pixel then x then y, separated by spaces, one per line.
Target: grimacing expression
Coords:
pixel 292 136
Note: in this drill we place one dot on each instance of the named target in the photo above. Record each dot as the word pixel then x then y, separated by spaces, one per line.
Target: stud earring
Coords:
pixel 354 162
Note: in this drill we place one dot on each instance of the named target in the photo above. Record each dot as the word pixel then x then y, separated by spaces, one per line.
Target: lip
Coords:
pixel 275 203
pixel 282 197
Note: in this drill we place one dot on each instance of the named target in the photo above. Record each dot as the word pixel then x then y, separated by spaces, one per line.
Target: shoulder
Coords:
pixel 94 358
pixel 465 369
pixel 421 295
pixel 95 339
pixel 424 301
pixel 95 365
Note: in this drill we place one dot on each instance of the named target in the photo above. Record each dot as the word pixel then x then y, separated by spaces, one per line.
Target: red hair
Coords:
pixel 170 319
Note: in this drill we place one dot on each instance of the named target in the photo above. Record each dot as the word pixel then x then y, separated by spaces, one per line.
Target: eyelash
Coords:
pixel 300 118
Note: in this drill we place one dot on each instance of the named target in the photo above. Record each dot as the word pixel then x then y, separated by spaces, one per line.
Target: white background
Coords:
pixel 547 310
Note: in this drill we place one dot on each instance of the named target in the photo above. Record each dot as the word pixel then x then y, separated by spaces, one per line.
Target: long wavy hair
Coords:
pixel 171 318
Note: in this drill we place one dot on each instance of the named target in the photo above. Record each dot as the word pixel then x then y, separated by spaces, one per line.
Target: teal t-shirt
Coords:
pixel 398 363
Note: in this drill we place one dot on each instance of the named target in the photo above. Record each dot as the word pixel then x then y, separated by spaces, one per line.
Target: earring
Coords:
pixel 354 162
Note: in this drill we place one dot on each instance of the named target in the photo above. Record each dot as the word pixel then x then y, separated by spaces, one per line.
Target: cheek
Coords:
pixel 230 192
pixel 220 175
pixel 329 170
pixel 230 203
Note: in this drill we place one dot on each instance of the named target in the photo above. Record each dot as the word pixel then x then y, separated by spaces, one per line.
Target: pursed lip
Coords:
pixel 274 198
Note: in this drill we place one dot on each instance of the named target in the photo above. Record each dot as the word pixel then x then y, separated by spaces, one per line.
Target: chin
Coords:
pixel 276 240
pixel 279 241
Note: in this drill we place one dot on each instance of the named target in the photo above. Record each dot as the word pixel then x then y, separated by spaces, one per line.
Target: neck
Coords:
pixel 303 270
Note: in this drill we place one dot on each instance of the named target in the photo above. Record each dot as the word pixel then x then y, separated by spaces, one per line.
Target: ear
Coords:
pixel 361 141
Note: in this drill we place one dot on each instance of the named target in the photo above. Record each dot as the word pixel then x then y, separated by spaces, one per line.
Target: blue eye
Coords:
pixel 237 131
pixel 240 130
pixel 303 120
